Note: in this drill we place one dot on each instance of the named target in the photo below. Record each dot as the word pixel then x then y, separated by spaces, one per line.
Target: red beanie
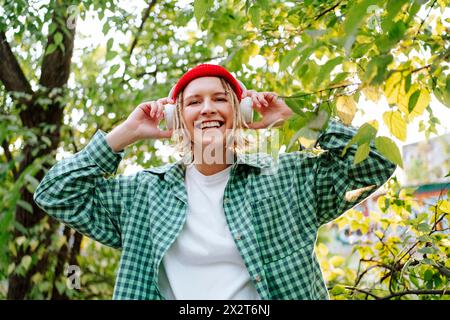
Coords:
pixel 206 70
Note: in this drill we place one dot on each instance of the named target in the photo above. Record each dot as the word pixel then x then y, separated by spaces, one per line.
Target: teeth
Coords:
pixel 210 124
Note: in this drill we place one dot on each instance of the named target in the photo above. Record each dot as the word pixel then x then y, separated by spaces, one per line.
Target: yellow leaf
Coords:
pixel 321 250
pixel 396 124
pixel 372 93
pixel 346 109
pixel 444 206
pixel 26 261
pixel 394 88
pixel 337 261
pixel 253 49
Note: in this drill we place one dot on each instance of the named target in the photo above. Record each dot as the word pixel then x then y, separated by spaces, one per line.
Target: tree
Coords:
pixel 406 257
pixel 321 56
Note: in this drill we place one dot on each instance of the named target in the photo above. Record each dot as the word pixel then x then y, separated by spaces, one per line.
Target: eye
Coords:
pixel 222 99
pixel 192 102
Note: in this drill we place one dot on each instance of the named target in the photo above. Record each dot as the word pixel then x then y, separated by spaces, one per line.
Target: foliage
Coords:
pixel 405 254
pixel 324 57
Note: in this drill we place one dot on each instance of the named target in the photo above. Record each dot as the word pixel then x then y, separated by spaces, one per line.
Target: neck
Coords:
pixel 210 169
pixel 209 165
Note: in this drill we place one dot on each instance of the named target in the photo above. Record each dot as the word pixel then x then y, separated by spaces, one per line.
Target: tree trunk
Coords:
pixel 55 72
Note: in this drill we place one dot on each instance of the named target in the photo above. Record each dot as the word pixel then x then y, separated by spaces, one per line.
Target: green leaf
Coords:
pixel 51 28
pixel 264 4
pixel 377 70
pixel 110 55
pixel 408 82
pixel 428 275
pixel 396 124
pixel 200 8
pixel 58 38
pixel 296 104
pixel 114 69
pixel 354 18
pixel 413 100
pixel 427 250
pixel 389 149
pixel 51 48
pixel 417 102
pixel 25 205
pixel 106 28
pixel 365 134
pixel 326 69
pixel 337 290
pixel 289 58
pixel 393 7
pixel 254 15
pixel 109 44
pixel 361 153
pixel 32 181
pixel 26 262
pixel 423 227
pixel 414 280
pixel 443 93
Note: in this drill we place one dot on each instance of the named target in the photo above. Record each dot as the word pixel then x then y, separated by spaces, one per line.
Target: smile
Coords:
pixel 209 124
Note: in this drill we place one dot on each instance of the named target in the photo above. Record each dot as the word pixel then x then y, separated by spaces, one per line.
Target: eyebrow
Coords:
pixel 198 95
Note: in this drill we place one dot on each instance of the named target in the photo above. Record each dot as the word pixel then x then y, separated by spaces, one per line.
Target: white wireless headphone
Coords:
pixel 245 105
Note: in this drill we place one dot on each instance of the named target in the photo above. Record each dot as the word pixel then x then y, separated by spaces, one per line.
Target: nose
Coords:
pixel 208 108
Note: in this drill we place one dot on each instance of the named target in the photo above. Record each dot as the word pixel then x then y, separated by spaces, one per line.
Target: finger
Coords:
pixel 256 102
pixel 256 125
pixel 166 100
pixel 145 106
pixel 154 109
pixel 160 109
pixel 270 96
pixel 165 133
pixel 262 100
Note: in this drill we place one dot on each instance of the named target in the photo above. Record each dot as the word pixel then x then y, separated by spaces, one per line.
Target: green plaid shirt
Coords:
pixel 273 216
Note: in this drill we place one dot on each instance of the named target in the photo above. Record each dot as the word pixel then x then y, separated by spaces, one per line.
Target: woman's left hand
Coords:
pixel 274 110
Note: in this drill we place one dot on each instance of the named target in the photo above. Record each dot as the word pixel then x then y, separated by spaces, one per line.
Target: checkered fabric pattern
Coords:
pixel 273 217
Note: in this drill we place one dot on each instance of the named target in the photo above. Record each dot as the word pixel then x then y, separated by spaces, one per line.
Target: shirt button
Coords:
pixel 258 278
pixel 226 200
pixel 238 236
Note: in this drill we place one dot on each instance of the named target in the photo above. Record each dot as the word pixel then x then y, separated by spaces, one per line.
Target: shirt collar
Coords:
pixel 175 171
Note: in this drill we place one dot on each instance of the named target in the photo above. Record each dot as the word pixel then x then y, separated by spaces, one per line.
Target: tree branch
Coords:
pixel 398 294
pixel 363 291
pixel 423 20
pixel 56 65
pixel 320 15
pixel 190 62
pixel 141 27
pixel 320 91
pixel 145 16
pixel 11 74
pixel 419 292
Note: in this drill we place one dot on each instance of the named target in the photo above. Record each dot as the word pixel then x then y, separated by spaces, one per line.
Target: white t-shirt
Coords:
pixel 204 262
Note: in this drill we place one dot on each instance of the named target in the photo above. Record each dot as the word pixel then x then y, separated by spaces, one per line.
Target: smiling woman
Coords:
pixel 207 116
pixel 234 226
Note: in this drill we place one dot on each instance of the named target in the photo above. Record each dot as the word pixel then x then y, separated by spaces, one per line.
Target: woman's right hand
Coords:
pixel 141 124
pixel 144 120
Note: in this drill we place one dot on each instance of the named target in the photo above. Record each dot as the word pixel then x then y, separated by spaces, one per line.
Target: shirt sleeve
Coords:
pixel 339 184
pixel 75 192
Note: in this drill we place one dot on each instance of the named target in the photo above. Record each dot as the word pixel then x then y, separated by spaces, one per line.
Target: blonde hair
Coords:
pixel 183 139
